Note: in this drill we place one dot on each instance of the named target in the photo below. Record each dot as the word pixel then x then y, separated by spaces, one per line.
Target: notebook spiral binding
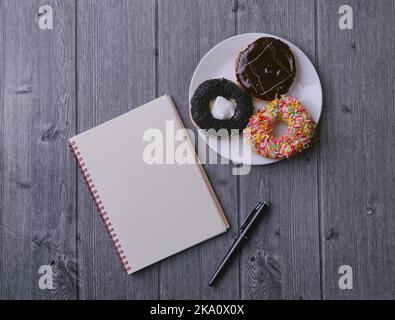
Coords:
pixel 99 205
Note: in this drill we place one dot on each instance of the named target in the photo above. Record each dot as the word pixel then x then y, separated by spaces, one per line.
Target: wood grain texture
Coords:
pixel 38 181
pixel 357 150
pixel 115 74
pixel 282 259
pixel 186 31
pixel 2 56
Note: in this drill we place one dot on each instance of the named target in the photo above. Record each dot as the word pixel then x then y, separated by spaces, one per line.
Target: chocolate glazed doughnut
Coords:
pixel 266 68
pixel 200 105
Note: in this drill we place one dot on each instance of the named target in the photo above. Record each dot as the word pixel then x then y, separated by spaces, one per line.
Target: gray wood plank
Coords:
pixel 2 54
pixel 38 181
pixel 186 31
pixel 282 259
pixel 357 152
pixel 115 74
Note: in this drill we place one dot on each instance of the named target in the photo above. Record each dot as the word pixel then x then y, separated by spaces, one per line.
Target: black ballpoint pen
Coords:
pixel 244 229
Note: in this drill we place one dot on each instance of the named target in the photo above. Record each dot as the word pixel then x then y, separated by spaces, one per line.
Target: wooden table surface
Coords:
pixel 332 205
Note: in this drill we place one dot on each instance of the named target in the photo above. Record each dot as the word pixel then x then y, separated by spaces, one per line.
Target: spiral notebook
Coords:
pixel 151 210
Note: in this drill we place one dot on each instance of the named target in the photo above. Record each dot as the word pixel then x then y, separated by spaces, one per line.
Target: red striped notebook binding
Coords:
pixel 99 204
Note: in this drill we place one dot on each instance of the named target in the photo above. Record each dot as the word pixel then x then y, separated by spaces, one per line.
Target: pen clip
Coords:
pixel 248 218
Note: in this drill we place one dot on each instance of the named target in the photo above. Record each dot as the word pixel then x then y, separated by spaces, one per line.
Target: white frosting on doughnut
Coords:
pixel 223 108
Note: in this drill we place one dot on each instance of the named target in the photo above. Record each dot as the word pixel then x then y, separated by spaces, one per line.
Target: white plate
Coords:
pixel 219 62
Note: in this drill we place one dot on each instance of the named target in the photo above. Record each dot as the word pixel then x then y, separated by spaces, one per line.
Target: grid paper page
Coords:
pixel 156 210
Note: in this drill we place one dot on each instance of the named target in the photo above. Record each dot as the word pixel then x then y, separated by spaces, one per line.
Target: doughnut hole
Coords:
pixel 222 108
pixel 280 128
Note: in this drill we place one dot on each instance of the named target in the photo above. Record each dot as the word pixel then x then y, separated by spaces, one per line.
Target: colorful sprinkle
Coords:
pixel 286 109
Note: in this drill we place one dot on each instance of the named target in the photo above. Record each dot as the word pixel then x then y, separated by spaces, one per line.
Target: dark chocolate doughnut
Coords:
pixel 200 108
pixel 266 68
